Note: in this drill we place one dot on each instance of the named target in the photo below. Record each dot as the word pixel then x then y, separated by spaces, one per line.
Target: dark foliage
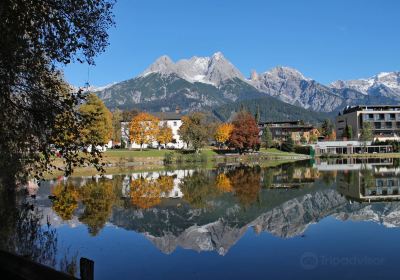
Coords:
pixel 36 38
pixel 270 109
pixel 288 145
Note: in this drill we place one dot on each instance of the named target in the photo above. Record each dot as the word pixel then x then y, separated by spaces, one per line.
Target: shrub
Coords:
pixel 168 158
pixel 288 145
pixel 305 150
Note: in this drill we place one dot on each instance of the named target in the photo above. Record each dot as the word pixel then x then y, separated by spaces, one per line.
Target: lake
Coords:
pixel 324 219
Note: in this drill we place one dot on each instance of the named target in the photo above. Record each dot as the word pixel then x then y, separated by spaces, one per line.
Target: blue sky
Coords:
pixel 326 40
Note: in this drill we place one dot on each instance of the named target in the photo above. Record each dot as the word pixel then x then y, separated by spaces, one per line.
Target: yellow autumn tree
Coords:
pixel 98 129
pixel 223 133
pixel 143 129
pixel 165 183
pixel 223 183
pixel 98 199
pixel 164 135
pixel 66 202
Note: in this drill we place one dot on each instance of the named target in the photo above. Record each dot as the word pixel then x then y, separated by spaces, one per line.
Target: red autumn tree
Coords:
pixel 245 132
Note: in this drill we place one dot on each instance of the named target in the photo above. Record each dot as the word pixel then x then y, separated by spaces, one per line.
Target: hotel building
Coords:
pixel 385 121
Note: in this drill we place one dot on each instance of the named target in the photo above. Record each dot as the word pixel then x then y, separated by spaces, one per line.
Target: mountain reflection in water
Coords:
pixel 209 210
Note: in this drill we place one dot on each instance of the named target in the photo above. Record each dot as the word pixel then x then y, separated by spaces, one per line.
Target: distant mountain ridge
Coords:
pixel 206 83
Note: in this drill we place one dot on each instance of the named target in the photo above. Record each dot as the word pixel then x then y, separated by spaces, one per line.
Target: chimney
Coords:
pixel 177 110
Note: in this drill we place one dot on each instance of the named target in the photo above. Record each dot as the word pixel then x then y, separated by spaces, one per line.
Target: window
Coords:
pixel 377 125
pixel 381 116
pixel 371 116
pixel 388 125
pixel 392 116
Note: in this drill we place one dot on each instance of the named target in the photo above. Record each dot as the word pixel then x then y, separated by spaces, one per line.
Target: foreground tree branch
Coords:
pixel 39 116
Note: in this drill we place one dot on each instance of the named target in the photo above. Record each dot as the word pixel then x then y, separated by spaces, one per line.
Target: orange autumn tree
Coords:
pixel 245 134
pixel 223 133
pixel 143 129
pixel 164 135
pixel 146 193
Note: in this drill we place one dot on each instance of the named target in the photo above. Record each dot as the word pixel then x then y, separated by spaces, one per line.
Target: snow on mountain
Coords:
pixel 210 70
pixel 100 88
pixel 93 88
pixel 214 80
pixel 290 86
pixel 389 80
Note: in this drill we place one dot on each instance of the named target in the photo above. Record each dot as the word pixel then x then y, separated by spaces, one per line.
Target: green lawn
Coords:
pixel 275 151
pixel 149 153
pixel 135 153
pixel 160 153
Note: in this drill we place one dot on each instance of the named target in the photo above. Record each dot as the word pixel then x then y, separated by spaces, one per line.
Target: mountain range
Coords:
pixel 215 84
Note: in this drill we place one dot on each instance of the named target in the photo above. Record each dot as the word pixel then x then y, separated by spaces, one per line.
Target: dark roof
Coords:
pixel 283 122
pixel 370 107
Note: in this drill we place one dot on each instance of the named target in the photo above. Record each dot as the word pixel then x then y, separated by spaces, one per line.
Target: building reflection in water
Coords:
pixel 208 210
pixel 366 180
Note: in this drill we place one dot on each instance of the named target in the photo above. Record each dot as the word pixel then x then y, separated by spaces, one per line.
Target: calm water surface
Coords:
pixel 306 220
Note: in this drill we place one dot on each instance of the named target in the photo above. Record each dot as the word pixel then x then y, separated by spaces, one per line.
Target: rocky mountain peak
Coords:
pixel 163 65
pixel 283 72
pixel 221 69
pixel 212 70
pixel 217 56
pixel 388 80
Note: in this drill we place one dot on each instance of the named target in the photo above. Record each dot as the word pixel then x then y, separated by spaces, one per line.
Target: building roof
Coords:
pixel 371 108
pixel 287 124
pixel 279 122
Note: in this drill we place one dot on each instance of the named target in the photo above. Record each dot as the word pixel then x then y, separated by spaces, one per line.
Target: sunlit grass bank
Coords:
pixel 124 160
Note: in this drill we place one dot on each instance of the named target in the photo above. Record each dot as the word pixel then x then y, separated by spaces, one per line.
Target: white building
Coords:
pixel 172 119
pixel 349 147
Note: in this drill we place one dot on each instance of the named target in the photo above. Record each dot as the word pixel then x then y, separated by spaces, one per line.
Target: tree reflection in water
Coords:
pixel 66 201
pixel 246 184
pixel 199 188
pixel 146 193
pixel 97 199
pixel 23 233
pixel 223 183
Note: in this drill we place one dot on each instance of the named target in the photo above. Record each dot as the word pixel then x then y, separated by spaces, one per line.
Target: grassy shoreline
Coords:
pixel 123 161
